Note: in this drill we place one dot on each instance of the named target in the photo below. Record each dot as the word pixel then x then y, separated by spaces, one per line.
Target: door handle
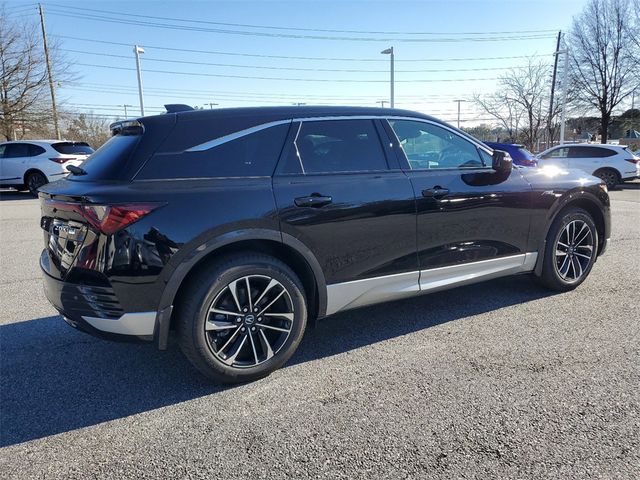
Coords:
pixel 313 200
pixel 435 192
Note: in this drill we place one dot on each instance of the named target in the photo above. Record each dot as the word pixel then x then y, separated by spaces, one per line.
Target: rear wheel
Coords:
pixel 608 176
pixel 571 250
pixel 242 318
pixel 34 181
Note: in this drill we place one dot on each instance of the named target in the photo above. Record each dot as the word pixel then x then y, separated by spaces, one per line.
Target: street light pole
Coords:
pixel 138 50
pixel 382 102
pixel 459 102
pixel 564 92
pixel 389 51
pixel 211 104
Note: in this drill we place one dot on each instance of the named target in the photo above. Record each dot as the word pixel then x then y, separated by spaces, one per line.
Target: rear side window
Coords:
pixel 590 152
pixel 73 148
pixel 252 155
pixel 35 150
pixel 336 146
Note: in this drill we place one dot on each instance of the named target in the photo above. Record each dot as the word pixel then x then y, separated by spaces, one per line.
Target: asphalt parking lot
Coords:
pixel 497 380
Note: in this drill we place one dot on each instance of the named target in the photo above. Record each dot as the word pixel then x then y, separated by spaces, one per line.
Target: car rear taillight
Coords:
pixel 62 160
pixel 633 160
pixel 107 219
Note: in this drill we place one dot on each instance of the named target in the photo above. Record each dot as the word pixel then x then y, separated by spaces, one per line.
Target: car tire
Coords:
pixel 571 250
pixel 233 337
pixel 34 181
pixel 609 176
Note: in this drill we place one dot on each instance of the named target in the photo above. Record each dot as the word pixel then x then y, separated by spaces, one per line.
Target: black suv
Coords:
pixel 235 228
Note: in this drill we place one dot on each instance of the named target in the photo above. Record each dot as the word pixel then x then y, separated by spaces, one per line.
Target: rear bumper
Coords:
pixel 95 310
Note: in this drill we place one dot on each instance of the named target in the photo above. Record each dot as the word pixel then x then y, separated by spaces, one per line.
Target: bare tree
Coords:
pixel 601 57
pixel 519 104
pixel 87 127
pixel 25 103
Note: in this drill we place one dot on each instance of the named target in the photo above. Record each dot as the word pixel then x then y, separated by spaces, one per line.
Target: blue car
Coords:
pixel 519 154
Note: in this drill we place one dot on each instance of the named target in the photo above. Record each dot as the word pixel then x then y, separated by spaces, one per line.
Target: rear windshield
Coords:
pixel 73 148
pixel 109 159
pixel 526 154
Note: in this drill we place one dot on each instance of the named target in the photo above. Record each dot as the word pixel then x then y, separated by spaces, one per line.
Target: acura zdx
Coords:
pixel 234 229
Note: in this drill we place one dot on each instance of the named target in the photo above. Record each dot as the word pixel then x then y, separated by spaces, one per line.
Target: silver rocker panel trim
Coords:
pixel 358 293
pixel 138 324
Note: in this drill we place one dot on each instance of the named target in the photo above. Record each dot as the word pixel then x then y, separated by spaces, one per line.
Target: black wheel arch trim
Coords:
pixel 177 275
pixel 570 198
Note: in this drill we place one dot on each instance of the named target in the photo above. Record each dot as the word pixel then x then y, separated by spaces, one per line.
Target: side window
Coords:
pixel 35 150
pixel 429 146
pixel 558 153
pixel 16 150
pixel 590 152
pixel 2 150
pixel 336 146
pixel 252 155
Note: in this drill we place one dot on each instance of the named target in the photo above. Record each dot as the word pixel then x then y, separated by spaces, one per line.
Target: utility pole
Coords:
pixel 211 104
pixel 382 102
pixel 389 51
pixel 125 109
pixel 565 74
pixel 54 108
pixel 459 102
pixel 553 89
pixel 138 50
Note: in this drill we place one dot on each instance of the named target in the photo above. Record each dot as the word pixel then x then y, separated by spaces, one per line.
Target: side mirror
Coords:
pixel 501 162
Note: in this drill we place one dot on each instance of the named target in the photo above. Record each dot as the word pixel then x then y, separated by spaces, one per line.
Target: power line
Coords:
pixel 289 57
pixel 125 21
pixel 299 29
pixel 262 67
pixel 333 80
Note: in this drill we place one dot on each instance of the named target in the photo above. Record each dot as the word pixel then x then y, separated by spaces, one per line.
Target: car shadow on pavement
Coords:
pixel 15 195
pixel 55 379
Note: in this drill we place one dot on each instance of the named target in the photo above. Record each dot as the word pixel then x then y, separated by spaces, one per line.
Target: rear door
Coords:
pixel 338 192
pixel 589 159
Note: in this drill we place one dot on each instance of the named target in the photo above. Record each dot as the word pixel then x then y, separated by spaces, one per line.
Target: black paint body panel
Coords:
pixel 377 223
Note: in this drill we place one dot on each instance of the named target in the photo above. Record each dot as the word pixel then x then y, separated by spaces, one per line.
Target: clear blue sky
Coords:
pixel 102 90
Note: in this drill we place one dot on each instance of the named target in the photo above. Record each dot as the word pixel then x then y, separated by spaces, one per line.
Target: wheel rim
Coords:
pixel 249 321
pixel 574 250
pixel 609 178
pixel 35 182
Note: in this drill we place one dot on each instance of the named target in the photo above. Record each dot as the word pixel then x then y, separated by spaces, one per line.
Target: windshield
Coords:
pixel 526 154
pixel 108 161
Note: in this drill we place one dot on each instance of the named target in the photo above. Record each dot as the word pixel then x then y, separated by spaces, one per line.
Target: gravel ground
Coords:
pixel 496 380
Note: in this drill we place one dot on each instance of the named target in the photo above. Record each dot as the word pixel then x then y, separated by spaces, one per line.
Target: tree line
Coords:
pixel 603 72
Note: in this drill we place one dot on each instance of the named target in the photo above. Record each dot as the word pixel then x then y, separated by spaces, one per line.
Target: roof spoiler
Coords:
pixel 126 127
pixel 177 107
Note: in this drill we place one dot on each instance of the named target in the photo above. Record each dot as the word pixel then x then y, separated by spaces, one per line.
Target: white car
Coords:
pixel 29 164
pixel 612 163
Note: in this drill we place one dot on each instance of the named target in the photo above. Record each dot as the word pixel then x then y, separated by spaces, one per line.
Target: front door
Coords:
pixel 339 193
pixel 472 221
pixel 12 163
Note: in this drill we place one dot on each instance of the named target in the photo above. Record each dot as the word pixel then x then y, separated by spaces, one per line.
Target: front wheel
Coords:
pixel 242 318
pixel 571 250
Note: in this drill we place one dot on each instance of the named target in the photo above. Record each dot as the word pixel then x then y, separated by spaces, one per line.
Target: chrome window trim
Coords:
pixel 359 293
pixel 263 126
pixel 235 135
